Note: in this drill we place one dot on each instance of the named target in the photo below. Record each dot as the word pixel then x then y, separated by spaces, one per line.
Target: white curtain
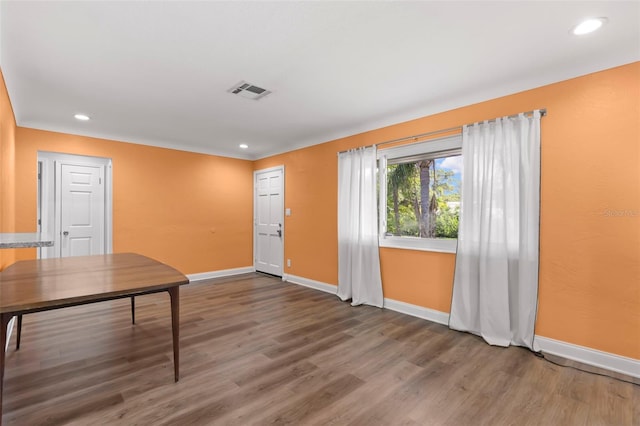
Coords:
pixel 358 257
pixel 495 290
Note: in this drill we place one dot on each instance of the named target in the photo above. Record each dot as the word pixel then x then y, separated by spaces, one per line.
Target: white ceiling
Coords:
pixel 157 73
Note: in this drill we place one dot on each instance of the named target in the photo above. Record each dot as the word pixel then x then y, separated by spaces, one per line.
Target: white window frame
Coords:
pixel 433 146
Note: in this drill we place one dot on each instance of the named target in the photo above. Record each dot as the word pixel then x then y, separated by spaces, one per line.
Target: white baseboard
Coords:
pixel 589 356
pixel 394 305
pixel 594 357
pixel 417 311
pixel 221 273
pixel 306 282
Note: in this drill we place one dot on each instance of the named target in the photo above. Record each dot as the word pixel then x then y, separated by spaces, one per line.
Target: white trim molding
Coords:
pixel 219 274
pixel 594 357
pixel 589 356
pixel 393 305
pixel 306 282
pixel 417 311
pixel 440 245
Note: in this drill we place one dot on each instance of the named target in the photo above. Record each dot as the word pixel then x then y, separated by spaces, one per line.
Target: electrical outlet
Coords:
pixel 288 263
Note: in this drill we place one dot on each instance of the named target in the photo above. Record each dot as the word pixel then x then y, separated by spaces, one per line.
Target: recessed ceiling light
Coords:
pixel 243 146
pixel 81 117
pixel 588 26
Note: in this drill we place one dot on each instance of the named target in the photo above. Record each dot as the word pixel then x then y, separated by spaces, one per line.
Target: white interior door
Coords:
pixel 81 210
pixel 74 204
pixel 268 219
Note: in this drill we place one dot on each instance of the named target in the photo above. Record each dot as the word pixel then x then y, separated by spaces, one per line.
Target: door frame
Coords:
pixel 50 173
pixel 255 214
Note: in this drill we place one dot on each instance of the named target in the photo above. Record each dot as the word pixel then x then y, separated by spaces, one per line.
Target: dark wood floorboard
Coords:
pixel 258 351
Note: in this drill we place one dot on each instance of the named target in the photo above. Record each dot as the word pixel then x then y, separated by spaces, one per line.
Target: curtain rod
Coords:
pixel 543 112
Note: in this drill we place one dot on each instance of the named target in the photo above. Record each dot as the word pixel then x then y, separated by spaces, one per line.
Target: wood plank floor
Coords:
pixel 255 350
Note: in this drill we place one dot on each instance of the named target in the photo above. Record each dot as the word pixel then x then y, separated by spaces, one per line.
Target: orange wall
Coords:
pixel 589 260
pixel 7 172
pixel 195 211
pixel 192 211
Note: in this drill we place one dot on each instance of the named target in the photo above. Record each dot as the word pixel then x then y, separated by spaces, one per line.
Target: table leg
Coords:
pixel 4 322
pixel 133 309
pixel 19 332
pixel 174 293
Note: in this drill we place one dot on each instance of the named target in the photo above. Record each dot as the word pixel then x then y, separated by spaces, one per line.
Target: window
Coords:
pixel 419 191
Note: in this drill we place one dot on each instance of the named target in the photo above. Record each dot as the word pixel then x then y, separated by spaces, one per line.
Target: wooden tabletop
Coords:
pixel 42 284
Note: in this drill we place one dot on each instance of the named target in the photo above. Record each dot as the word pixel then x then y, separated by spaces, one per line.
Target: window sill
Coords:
pixel 407 243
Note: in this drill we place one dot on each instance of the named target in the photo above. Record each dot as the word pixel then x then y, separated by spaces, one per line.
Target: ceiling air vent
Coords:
pixel 249 91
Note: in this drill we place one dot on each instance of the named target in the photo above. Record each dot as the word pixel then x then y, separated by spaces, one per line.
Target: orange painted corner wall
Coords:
pixel 7 171
pixel 589 291
pixel 192 211
pixel 310 193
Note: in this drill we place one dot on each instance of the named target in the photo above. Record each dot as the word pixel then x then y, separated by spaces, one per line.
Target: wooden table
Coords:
pixel 30 286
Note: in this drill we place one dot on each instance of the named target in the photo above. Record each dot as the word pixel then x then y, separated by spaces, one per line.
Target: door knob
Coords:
pixel 65 233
